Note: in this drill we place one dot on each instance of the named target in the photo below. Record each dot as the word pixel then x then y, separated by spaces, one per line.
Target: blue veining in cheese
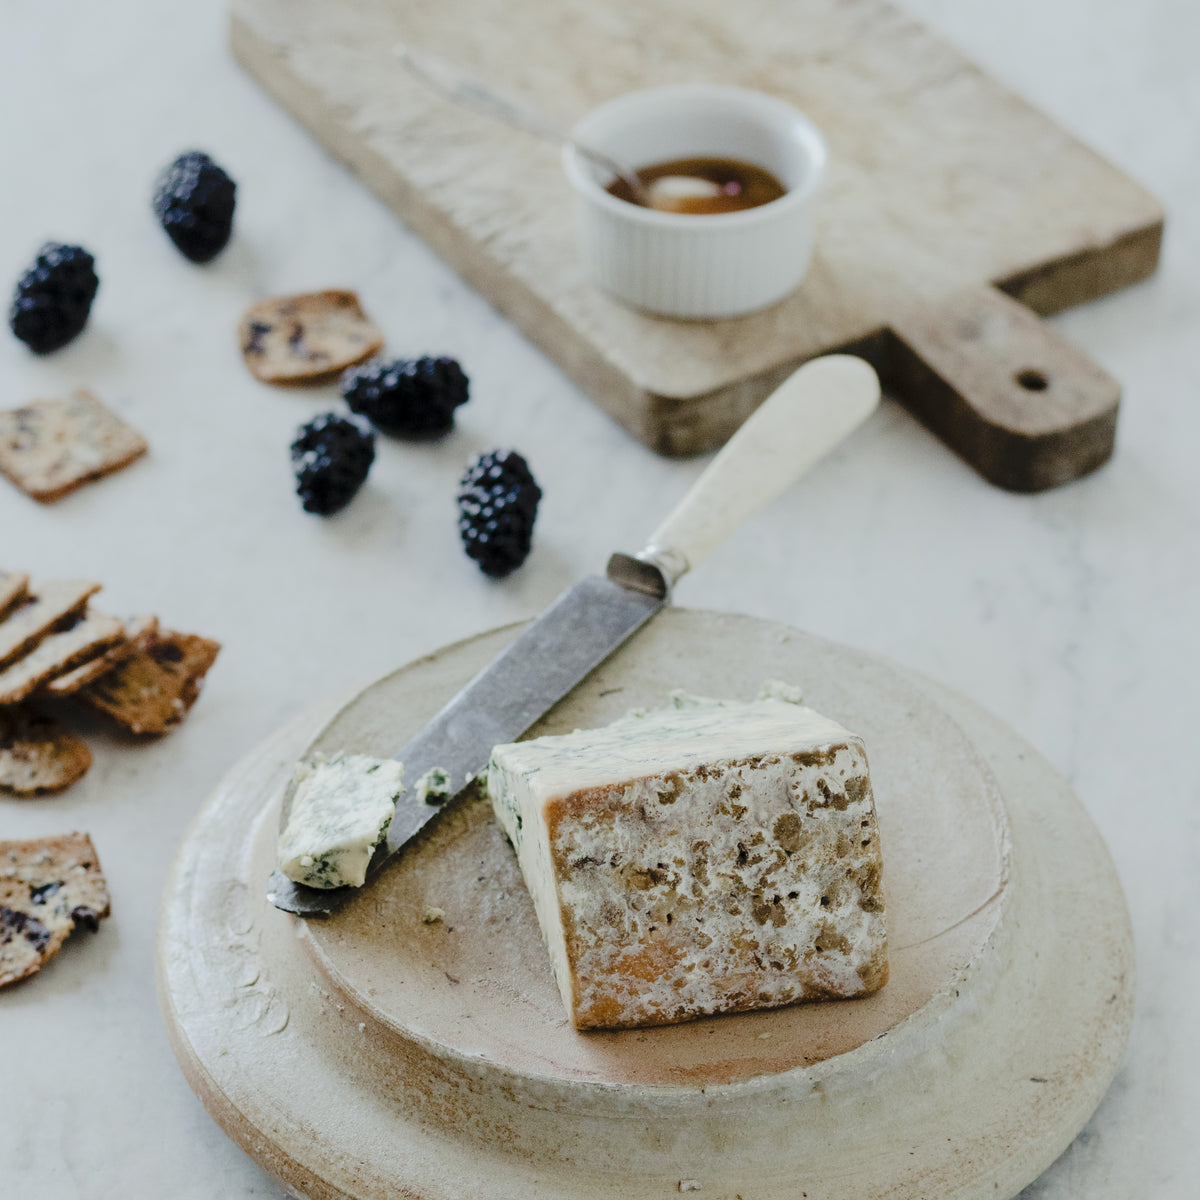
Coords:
pixel 710 857
pixel 340 812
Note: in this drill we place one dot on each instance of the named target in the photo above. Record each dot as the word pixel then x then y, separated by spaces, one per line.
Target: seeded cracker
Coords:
pixel 37 615
pixel 84 638
pixel 139 633
pixel 306 338
pixel 49 448
pixel 155 689
pixel 37 755
pixel 48 888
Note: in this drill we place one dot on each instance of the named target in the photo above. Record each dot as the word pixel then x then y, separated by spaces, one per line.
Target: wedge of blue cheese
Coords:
pixel 709 858
pixel 340 812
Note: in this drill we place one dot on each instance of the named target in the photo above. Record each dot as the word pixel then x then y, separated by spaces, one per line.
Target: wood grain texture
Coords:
pixel 941 182
pixel 375 1055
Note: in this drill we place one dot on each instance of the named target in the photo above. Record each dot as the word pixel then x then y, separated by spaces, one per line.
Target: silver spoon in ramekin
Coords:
pixel 667 193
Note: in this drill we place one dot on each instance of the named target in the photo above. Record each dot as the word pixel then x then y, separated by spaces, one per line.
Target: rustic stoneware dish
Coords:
pixel 386 1052
pixel 684 265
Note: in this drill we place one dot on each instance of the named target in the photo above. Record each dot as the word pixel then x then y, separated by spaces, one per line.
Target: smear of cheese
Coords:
pixel 340 812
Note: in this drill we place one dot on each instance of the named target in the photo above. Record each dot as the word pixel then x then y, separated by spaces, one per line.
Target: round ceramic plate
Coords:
pixel 415 1044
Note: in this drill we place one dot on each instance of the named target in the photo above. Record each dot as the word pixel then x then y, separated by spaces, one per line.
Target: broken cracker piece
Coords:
pixel 139 632
pixel 306 338
pixel 37 755
pixel 154 690
pixel 37 614
pixel 74 640
pixel 12 588
pixel 48 887
pixel 48 448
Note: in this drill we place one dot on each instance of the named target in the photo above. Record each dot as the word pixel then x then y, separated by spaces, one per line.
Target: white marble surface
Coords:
pixel 1072 615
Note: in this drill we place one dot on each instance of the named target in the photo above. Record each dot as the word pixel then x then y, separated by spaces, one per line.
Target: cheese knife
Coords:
pixel 805 417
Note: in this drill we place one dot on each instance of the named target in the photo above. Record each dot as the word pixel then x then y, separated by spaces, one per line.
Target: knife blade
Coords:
pixel 808 414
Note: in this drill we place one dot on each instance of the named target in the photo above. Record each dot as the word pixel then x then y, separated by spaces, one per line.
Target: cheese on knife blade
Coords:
pixel 340 812
pixel 709 858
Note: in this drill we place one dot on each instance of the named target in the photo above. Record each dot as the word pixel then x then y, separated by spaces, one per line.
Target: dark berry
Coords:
pixel 497 506
pixel 193 201
pixel 54 297
pixel 39 895
pixel 504 469
pixel 408 397
pixel 86 918
pixel 331 457
pixel 13 921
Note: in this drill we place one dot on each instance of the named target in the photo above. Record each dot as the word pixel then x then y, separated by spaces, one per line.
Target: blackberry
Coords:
pixel 407 397
pixel 54 297
pixel 331 457
pixel 497 506
pixel 193 201
pixel 508 470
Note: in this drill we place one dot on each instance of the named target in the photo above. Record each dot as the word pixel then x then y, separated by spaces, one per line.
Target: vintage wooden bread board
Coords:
pixel 377 1054
pixel 947 195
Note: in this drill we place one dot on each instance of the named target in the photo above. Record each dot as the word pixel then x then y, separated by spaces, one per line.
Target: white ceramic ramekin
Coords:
pixel 685 265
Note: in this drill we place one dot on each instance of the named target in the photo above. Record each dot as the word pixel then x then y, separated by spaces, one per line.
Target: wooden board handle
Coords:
pixel 1024 407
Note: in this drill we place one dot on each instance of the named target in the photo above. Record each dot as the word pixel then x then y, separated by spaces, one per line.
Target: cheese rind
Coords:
pixel 712 858
pixel 340 812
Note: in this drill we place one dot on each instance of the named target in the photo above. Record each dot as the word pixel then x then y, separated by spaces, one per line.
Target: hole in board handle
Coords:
pixel 1032 380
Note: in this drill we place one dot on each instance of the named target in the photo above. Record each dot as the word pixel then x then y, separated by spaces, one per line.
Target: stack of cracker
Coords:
pixel 54 645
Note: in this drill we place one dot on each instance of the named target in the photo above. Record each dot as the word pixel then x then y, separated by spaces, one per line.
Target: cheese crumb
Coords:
pixel 434 915
pixel 434 786
pixel 776 689
pixel 680 698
